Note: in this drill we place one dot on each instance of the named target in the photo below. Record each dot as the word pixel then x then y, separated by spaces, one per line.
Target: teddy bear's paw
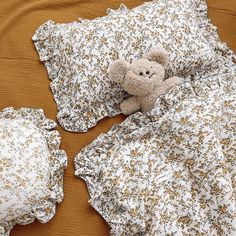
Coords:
pixel 177 80
pixel 130 106
pixel 126 108
pixel 174 81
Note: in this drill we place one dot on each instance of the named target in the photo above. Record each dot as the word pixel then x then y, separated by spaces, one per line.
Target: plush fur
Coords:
pixel 144 79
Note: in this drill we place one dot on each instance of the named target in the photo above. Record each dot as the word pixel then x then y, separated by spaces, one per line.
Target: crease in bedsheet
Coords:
pixel 34 6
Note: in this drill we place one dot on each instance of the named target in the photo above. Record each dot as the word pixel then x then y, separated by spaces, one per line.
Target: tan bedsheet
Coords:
pixel 24 83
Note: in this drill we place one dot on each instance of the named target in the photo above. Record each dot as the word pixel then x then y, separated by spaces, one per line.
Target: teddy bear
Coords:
pixel 143 79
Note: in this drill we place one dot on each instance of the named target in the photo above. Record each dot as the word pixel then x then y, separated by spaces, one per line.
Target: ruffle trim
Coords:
pixel 43 41
pixel 82 120
pixel 45 209
pixel 69 118
pixel 123 8
pixel 210 32
pixel 86 168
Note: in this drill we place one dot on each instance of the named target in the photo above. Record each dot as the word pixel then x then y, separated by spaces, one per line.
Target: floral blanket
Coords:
pixel 171 171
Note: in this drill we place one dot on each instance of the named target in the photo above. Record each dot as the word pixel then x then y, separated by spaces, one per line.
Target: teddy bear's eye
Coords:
pixel 147 72
pixel 141 73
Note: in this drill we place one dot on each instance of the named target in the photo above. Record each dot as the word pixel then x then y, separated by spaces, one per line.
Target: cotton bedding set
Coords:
pixel 170 171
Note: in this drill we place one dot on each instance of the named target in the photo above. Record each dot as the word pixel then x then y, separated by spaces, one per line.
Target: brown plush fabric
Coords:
pixel 24 83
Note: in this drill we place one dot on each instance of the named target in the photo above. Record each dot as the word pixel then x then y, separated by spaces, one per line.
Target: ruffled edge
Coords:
pixel 45 209
pixel 43 41
pixel 210 33
pixel 43 36
pixel 123 8
pixel 200 85
pixel 88 116
pixel 86 169
pixel 48 53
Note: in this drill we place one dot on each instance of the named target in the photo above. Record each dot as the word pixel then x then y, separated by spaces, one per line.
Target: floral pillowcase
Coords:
pixel 77 55
pixel 31 168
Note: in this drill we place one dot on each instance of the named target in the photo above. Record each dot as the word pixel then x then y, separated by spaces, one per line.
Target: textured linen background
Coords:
pixel 24 83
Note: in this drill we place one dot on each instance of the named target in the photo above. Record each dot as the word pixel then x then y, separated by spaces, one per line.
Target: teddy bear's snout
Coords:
pixel 147 74
pixel 150 75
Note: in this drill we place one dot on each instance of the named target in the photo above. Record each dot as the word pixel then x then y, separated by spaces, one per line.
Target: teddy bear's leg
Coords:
pixel 130 105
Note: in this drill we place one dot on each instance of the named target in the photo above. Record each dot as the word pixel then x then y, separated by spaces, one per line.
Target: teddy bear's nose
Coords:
pixel 147 72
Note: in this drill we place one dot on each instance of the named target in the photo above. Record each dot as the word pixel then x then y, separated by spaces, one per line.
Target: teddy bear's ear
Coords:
pixel 118 70
pixel 159 55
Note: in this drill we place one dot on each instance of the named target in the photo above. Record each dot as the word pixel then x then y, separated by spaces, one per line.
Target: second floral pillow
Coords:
pixel 77 55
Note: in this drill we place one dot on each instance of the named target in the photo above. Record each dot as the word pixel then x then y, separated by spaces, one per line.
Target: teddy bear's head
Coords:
pixel 142 76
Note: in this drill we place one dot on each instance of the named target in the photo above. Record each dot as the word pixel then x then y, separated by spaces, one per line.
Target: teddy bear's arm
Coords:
pixel 130 105
pixel 173 81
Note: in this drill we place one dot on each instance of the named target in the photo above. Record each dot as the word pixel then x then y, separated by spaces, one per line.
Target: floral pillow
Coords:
pixel 77 55
pixel 31 168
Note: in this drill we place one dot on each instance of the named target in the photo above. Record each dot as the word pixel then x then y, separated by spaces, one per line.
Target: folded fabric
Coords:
pixel 171 171
pixel 31 168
